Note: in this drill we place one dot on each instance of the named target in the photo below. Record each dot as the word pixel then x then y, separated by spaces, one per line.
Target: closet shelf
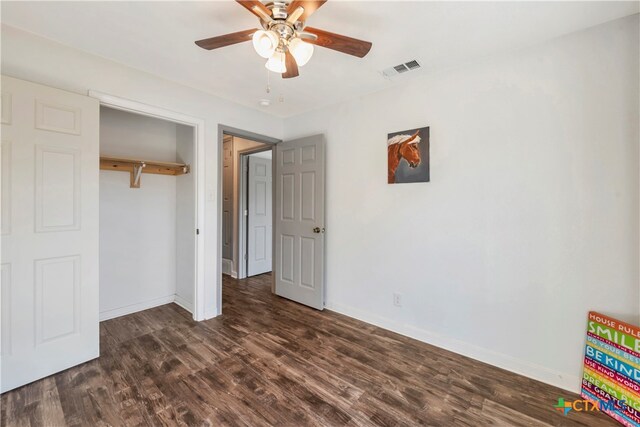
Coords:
pixel 137 167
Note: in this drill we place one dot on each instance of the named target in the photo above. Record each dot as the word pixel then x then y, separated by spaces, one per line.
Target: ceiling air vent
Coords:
pixel 412 65
pixel 401 68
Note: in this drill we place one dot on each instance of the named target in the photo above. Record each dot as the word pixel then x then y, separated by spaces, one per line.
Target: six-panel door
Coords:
pixel 299 224
pixel 49 292
pixel 260 218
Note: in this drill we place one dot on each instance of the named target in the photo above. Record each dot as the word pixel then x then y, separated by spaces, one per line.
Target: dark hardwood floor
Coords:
pixel 269 361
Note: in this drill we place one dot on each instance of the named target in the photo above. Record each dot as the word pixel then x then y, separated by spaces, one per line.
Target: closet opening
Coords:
pixel 247 208
pixel 148 213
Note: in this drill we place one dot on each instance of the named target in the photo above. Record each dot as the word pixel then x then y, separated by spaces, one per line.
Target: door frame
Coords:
pixel 243 187
pixel 222 131
pixel 198 125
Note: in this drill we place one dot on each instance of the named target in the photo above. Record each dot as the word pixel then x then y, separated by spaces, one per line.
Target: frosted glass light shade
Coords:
pixel 276 63
pixel 301 51
pixel 265 42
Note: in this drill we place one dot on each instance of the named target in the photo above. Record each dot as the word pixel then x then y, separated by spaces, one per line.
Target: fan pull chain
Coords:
pixel 268 82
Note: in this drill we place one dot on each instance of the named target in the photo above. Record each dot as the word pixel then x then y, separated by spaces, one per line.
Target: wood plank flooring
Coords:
pixel 269 361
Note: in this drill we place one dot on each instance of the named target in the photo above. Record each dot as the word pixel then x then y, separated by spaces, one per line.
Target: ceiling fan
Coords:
pixel 285 40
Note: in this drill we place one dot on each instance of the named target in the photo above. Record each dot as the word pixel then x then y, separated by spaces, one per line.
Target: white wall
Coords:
pixel 23 56
pixel 530 218
pixel 137 225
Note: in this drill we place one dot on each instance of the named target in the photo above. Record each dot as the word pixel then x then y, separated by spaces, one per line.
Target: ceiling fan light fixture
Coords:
pixel 276 63
pixel 301 51
pixel 265 43
pixel 282 33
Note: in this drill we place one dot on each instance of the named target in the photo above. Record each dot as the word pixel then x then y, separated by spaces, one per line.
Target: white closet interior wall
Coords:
pixel 146 234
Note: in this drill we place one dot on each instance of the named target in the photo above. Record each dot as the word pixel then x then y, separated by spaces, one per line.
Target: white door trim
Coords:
pixel 199 311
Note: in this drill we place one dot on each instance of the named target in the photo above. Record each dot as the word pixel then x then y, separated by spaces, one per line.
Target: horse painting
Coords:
pixel 407 147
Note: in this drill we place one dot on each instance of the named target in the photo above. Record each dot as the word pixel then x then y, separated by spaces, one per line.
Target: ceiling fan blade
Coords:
pixel 309 6
pixel 291 64
pixel 255 7
pixel 340 43
pixel 226 40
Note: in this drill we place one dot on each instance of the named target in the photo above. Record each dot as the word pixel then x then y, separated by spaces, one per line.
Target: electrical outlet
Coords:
pixel 397 300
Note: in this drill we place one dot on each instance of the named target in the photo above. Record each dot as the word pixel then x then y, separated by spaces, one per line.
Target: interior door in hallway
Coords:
pixel 299 225
pixel 260 217
pixel 49 231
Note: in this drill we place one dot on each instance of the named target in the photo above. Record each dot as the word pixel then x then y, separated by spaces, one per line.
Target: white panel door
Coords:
pixel 49 231
pixel 299 236
pixel 260 217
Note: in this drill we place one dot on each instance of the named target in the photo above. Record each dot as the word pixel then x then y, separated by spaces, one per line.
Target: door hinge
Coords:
pixel 197 231
pixel 244 256
pixel 246 212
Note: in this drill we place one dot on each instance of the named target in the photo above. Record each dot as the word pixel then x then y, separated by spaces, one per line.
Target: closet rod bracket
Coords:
pixel 135 175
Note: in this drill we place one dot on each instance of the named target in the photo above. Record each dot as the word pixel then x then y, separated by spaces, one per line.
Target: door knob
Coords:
pixel 318 230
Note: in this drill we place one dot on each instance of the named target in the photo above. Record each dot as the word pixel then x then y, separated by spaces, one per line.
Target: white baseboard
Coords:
pixel 210 312
pixel 509 363
pixel 128 309
pixel 187 305
pixel 227 266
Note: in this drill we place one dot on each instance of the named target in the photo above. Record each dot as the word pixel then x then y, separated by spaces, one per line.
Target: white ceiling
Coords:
pixel 158 37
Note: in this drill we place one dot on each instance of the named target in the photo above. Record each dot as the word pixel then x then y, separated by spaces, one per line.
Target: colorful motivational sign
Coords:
pixel 611 376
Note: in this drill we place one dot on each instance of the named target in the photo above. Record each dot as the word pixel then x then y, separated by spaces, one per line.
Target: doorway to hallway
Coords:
pixel 247 207
pixel 295 247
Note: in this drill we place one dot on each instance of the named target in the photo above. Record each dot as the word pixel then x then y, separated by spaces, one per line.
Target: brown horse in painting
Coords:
pixel 402 147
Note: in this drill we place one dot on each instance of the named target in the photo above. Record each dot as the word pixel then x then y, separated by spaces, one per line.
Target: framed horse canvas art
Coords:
pixel 408 156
